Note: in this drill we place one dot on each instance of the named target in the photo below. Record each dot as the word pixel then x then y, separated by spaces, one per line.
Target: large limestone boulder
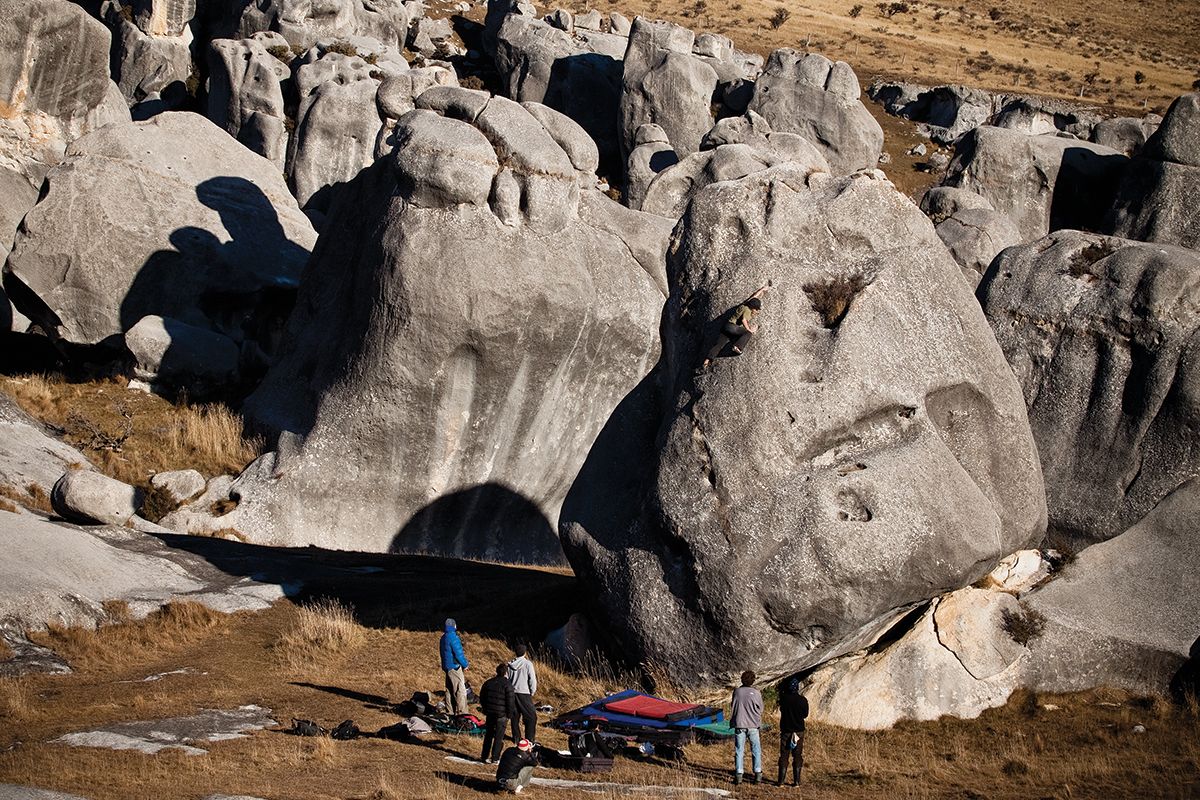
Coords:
pixel 734 148
pixel 1126 135
pixel 972 230
pixel 652 153
pixel 151 53
pixel 1157 201
pixel 869 451
pixel 337 124
pixel 819 99
pixel 491 314
pixel 54 83
pixel 943 113
pixel 1043 183
pixel 181 221
pixel 17 196
pixel 177 355
pixel 665 84
pixel 1101 335
pixel 245 93
pixel 84 495
pixel 1125 613
pixel 542 64
pixel 956 660
pixel 304 22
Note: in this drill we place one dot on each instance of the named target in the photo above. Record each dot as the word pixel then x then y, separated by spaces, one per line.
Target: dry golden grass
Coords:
pixel 318 631
pixel 113 646
pixel 33 497
pixel 1087 749
pixel 1052 49
pixel 131 435
pixel 16 701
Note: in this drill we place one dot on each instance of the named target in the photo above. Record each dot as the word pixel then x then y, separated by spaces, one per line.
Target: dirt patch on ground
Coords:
pixel 1087 747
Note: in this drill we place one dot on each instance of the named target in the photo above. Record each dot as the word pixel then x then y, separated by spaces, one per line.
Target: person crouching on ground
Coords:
pixel 516 767
pixel 499 705
pixel 745 720
pixel 454 661
pixel 793 710
pixel 524 682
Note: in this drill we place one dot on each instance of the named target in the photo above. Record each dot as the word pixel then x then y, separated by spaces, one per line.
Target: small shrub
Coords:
pixel 1014 767
pixel 1023 626
pixel 473 82
pixel 157 502
pixel 343 47
pixel 994 14
pixel 780 16
pixel 832 299
pixel 1139 77
pixel 1196 85
pixel 890 10
pixel 319 629
pixel 221 507
pixel 1081 262
pixel 855 10
pixel 282 52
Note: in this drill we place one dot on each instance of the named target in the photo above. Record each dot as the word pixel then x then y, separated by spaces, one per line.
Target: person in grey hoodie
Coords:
pixel 524 682
pixel 746 719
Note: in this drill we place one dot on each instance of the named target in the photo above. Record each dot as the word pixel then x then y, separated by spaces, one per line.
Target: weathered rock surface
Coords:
pixel 820 100
pixel 245 93
pixel 87 496
pixel 182 222
pixel 652 153
pixel 17 196
pixel 55 572
pixel 54 83
pixel 1101 334
pixel 147 63
pixel 542 64
pixel 173 353
pixel 175 733
pixel 1157 201
pixel 943 113
pixel 1126 135
pixel 956 660
pixel 337 125
pixel 10 791
pixel 180 484
pixel 1043 183
pixel 453 420
pixel 975 236
pixel 791 502
pixel 29 455
pixel 303 22
pixel 734 148
pixel 664 83
pixel 1126 612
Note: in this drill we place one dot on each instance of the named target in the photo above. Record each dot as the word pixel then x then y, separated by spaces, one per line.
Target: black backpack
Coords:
pixel 346 730
pixel 306 727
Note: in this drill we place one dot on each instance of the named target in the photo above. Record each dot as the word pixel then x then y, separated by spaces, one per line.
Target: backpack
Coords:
pixel 345 731
pixel 306 727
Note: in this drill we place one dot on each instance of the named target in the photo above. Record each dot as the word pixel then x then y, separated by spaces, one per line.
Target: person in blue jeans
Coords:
pixel 746 719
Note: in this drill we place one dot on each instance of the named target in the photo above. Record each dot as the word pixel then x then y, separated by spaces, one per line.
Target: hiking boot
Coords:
pixel 782 775
pixel 737 778
pixel 758 777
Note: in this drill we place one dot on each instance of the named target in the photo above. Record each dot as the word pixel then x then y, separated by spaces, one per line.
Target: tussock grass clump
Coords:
pixel 16 700
pixel 131 435
pixel 319 629
pixel 34 498
pixel 176 624
pixel 1023 626
pixel 831 299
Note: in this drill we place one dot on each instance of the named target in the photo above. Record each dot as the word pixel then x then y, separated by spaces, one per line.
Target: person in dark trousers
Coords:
pixel 499 705
pixel 741 325
pixel 793 710
pixel 746 719
pixel 523 677
pixel 516 767
pixel 454 661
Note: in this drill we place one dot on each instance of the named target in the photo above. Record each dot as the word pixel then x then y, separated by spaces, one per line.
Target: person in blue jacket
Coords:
pixel 454 661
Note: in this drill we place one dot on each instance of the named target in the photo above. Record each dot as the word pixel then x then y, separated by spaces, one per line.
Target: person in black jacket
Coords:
pixel 793 709
pixel 499 706
pixel 516 767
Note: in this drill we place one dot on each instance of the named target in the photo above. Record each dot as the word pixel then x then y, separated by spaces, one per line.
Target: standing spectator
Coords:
pixel 524 682
pixel 746 719
pixel 454 661
pixel 793 710
pixel 516 767
pixel 496 697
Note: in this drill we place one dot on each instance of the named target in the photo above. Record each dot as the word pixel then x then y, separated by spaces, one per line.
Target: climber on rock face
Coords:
pixel 740 326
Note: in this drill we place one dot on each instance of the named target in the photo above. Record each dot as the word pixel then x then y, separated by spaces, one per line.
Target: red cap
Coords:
pixel 525 744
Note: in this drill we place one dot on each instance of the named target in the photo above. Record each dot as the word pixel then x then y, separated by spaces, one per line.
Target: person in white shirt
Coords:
pixel 524 681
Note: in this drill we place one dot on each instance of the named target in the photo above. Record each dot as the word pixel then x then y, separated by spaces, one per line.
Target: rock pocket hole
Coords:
pixel 851 508
pixel 831 299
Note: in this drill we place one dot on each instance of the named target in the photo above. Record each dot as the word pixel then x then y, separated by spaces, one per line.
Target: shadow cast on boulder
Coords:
pixel 488 522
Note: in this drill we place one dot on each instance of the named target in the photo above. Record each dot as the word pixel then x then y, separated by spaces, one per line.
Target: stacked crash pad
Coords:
pixel 640 716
